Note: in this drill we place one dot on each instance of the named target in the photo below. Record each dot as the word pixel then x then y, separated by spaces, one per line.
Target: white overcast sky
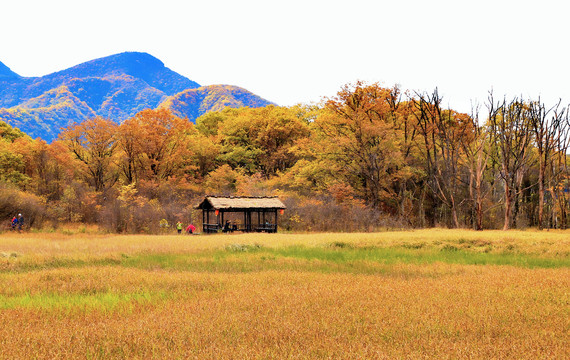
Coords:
pixel 299 51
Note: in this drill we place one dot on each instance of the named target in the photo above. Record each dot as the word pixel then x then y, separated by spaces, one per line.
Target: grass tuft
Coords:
pixel 243 247
pixel 340 245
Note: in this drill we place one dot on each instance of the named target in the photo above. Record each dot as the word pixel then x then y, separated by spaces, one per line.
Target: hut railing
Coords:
pixel 210 228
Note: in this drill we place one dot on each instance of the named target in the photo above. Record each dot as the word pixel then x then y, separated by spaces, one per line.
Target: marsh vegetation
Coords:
pixel 412 294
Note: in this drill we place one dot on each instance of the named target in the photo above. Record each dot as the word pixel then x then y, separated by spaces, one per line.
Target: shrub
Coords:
pixel 14 201
pixel 324 214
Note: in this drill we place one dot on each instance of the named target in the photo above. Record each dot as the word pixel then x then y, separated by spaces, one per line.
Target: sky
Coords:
pixel 303 51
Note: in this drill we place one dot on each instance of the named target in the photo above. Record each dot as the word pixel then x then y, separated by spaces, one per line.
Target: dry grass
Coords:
pixel 54 244
pixel 438 310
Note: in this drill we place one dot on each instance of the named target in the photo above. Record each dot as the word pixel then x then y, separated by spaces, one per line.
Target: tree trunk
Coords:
pixel 421 210
pixel 454 216
pixel 402 204
pixel 508 205
pixel 478 207
pixel 540 195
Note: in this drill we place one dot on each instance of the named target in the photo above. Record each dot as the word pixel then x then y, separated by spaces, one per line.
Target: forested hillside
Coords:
pixel 369 158
pixel 115 87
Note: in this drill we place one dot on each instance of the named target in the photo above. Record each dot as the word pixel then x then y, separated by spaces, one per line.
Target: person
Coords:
pixel 227 226
pixel 20 222
pixel 179 227
pixel 190 229
pixel 14 222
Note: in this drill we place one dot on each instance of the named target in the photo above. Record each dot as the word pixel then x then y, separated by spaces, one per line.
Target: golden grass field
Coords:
pixel 438 294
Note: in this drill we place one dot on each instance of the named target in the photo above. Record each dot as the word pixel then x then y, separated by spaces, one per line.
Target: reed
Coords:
pixel 413 294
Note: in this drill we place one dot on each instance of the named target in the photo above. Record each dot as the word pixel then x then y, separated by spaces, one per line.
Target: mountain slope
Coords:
pixel 115 87
pixel 141 66
pixel 45 115
pixel 193 103
pixel 6 73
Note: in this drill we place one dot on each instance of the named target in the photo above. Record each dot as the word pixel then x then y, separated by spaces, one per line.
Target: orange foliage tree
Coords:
pixel 49 166
pixel 94 143
pixel 155 145
pixel 359 126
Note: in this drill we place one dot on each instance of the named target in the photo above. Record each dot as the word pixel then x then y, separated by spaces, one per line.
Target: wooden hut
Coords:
pixel 252 213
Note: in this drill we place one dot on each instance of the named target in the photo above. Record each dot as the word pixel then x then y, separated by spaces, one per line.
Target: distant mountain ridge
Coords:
pixel 210 98
pixel 115 87
pixel 5 72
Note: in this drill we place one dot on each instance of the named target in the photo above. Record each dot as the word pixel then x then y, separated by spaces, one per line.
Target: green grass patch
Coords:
pixel 447 254
pixel 331 259
pixel 334 257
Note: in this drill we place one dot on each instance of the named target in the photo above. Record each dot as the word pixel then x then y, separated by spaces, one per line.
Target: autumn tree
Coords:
pixel 281 128
pixel 209 123
pixel 94 143
pixel 154 144
pixel 359 125
pixel 128 134
pixel 224 180
pixel 12 165
pixel 9 133
pixel 49 166
pixel 206 150
pixel 260 139
pixel 12 169
pixel 405 126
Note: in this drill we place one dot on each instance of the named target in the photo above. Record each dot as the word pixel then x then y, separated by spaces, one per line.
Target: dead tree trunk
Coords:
pixel 441 131
pixel 511 133
pixel 474 144
pixel 545 130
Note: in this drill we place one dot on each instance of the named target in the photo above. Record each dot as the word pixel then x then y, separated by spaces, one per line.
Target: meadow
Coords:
pixel 436 293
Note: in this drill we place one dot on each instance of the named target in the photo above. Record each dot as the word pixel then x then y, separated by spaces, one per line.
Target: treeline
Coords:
pixel 369 158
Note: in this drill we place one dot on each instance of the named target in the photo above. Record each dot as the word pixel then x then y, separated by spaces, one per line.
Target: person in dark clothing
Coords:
pixel 227 226
pixel 20 222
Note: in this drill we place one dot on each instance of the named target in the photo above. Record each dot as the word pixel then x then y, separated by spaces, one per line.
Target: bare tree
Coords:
pixel 561 172
pixel 360 124
pixel 406 131
pixel 512 137
pixel 441 133
pixel 545 129
pixel 475 146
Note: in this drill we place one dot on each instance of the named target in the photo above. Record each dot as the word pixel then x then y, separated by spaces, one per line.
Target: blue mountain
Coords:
pixel 114 87
pixel 6 73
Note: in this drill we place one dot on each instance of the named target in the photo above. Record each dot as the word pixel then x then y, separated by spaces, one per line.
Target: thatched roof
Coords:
pixel 241 203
